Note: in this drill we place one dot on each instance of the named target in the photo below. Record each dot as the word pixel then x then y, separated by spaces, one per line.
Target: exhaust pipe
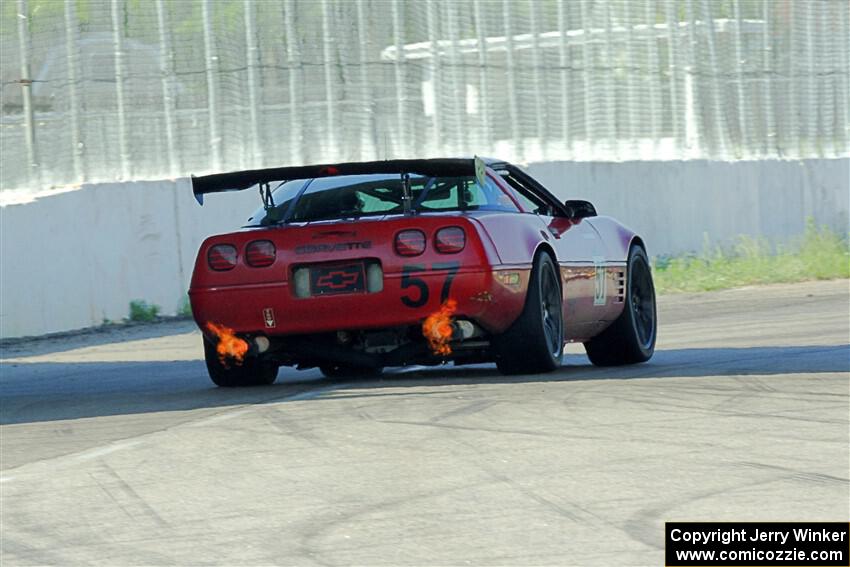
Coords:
pixel 261 344
pixel 463 329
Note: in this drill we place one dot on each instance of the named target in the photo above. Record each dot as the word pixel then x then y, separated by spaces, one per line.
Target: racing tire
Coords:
pixel 252 371
pixel 344 371
pixel 630 339
pixel 534 344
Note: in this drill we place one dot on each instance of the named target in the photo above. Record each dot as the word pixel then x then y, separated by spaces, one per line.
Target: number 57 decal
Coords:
pixel 420 295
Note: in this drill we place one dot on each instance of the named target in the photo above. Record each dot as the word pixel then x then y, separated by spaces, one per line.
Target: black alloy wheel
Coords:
pixel 631 337
pixel 535 342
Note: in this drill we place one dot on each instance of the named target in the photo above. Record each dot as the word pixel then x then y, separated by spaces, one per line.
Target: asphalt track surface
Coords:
pixel 117 450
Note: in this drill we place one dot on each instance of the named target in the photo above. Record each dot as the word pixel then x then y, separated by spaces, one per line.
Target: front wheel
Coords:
pixel 252 371
pixel 535 342
pixel 631 338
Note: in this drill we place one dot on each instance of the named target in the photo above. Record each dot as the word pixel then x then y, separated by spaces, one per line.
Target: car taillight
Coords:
pixel 410 243
pixel 222 257
pixel 450 240
pixel 260 253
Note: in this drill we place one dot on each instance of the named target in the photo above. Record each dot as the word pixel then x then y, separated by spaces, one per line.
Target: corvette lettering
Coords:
pixel 338 247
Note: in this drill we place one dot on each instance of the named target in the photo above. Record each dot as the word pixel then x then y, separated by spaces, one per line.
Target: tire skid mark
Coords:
pixel 717 409
pixel 27 554
pixel 572 511
pixel 804 476
pixel 577 513
pixel 133 440
pixel 292 428
pixel 753 383
pixel 580 516
pixel 646 525
pixel 466 410
pixel 470 428
pixel 316 532
pixel 124 496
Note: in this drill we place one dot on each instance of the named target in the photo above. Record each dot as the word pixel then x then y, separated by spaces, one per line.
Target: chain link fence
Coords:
pixel 126 89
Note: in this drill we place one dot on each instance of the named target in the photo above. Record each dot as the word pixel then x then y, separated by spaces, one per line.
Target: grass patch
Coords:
pixel 819 254
pixel 143 312
pixel 185 307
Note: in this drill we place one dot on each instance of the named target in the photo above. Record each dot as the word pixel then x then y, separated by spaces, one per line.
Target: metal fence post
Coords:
pixel 743 124
pixel 842 41
pixel 563 62
pixel 293 57
pixel 400 86
pixel 694 127
pixel 71 32
pixel 831 114
pixel 211 67
pixel 609 95
pixel 484 128
pixel 718 114
pixel 455 66
pixel 26 91
pixel 513 109
pixel 332 147
pixel 367 128
pixel 631 96
pixel 672 44
pixel 252 55
pixel 792 127
pixel 770 134
pixel 539 99
pixel 586 76
pixel 121 111
pixel 435 71
pixel 166 74
pixel 654 76
pixel 812 134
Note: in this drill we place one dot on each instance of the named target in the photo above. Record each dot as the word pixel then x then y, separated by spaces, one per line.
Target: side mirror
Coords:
pixel 580 209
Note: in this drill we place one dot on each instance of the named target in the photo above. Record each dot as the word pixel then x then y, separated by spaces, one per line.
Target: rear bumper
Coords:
pixel 487 296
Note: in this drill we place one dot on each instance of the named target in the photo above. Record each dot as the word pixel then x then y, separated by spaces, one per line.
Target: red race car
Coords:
pixel 354 267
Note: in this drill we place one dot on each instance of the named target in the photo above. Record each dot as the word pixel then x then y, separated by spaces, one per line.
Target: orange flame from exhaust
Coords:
pixel 229 347
pixel 437 328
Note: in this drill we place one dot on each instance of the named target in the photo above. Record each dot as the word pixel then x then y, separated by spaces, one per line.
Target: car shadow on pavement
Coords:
pixel 35 392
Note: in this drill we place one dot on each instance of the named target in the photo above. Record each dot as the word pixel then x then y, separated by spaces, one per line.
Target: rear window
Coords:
pixel 355 196
pixel 284 196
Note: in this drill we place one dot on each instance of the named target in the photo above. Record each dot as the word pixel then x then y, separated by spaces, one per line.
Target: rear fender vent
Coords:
pixel 621 287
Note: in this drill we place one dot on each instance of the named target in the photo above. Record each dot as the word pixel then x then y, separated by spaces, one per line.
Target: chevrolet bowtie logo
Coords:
pixel 337 280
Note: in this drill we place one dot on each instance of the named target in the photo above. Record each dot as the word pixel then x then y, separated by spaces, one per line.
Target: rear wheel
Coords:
pixel 631 338
pixel 344 371
pixel 252 371
pixel 535 342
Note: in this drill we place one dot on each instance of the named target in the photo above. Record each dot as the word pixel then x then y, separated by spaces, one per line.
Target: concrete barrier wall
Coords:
pixel 74 259
pixel 77 258
pixel 674 205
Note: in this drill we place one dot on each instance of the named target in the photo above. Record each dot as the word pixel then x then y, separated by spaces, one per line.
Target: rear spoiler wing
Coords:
pixel 239 180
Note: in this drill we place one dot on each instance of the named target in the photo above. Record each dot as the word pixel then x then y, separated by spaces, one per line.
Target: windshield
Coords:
pixel 355 196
